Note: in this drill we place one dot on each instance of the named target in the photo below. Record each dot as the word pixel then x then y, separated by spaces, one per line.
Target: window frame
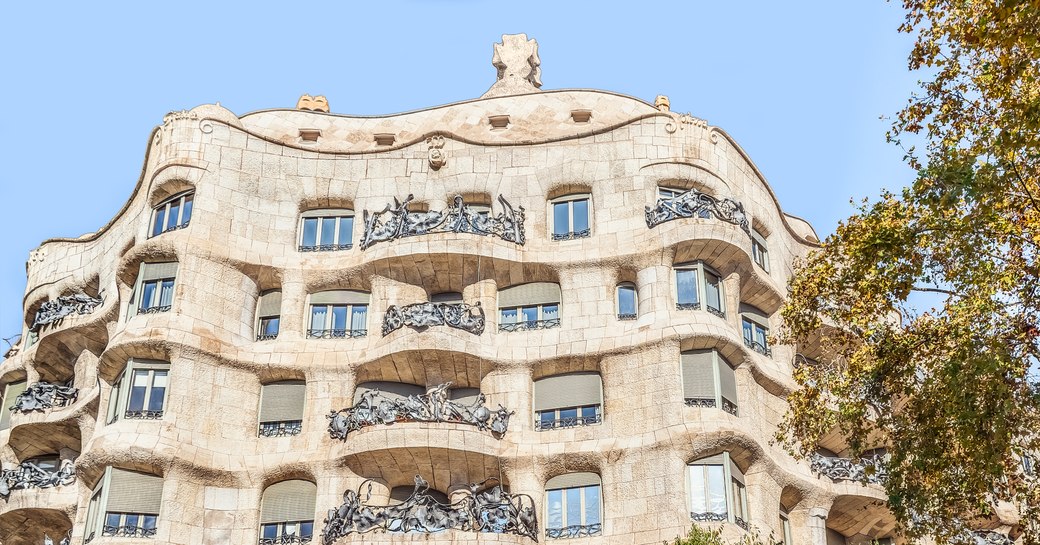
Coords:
pixel 594 528
pixel 97 510
pixel 569 200
pixel 528 325
pixel 701 269
pixel 751 329
pixel 327 332
pixel 259 324
pixel 134 307
pixel 119 396
pixel 735 491
pixel 731 406
pixel 785 526
pixel 759 249
pixel 8 400
pixel 281 428
pixel 635 300
pixel 182 222
pixel 280 531
pixel 320 214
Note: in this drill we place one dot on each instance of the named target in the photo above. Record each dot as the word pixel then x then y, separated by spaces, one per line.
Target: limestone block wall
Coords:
pixel 252 176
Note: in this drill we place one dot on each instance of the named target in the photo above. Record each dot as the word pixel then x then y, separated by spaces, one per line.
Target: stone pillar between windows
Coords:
pixel 763 502
pixel 486 293
pixel 814 524
pixel 656 286
pixel 731 285
pixel 293 317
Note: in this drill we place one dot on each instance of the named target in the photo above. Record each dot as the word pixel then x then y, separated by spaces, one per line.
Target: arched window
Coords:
pixel 338 314
pixel 627 301
pixel 268 315
pixel 717 491
pixel 173 213
pixel 287 512
pixel 573 506
pixel 571 216
pixel 281 408
pixel 564 401
pixel 153 291
pixel 709 380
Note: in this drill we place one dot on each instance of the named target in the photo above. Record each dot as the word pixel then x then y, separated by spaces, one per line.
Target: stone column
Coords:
pixel 293 318
pixel 816 526
pixel 731 287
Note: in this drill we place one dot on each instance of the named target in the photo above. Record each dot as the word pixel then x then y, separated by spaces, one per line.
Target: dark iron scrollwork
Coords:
pixel 155 309
pixel 55 311
pixel 144 415
pixel 729 407
pixel 694 204
pixel 870 470
pixel 528 325
pixel 266 337
pixel 567 532
pixel 325 247
pixel 285 428
pixel 30 475
pixel 708 517
pixel 687 306
pixel 336 333
pixel 568 422
pixel 127 531
pixel 44 395
pixel 573 235
pixel 716 311
pixel 989 537
pixel 758 347
pixel 483 509
pixel 626 317
pixel 284 539
pixel 742 523
pixel 702 402
pixel 395 221
pixel 420 315
pixel 433 406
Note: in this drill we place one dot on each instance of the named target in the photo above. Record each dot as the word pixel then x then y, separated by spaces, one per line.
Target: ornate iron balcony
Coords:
pixel 573 235
pixel 172 228
pixel 284 539
pixel 144 415
pixel 421 315
pixel 127 531
pixel 989 537
pixel 325 247
pixel 709 517
pixel 758 347
pixel 578 530
pixel 694 204
pixel 687 306
pixel 843 469
pixel 626 317
pixel 570 422
pixel 702 402
pixel 30 475
pixel 155 309
pixel 45 395
pixel 266 337
pixel 284 428
pixel 55 311
pixel 336 333
pixel 530 324
pixel 396 221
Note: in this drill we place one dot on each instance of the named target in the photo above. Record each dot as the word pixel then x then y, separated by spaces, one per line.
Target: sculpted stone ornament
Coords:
pixel 843 469
pixel 395 221
pixel 490 510
pixel 433 406
pixel 422 315
pixel 44 395
pixel 519 68
pixel 314 104
pixel 436 152
pixel 30 475
pixel 694 204
pixel 55 311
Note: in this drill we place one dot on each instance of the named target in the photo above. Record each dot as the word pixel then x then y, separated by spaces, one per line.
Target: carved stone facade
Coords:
pixel 224 438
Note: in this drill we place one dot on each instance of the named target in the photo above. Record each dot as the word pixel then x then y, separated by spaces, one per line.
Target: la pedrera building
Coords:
pixel 528 317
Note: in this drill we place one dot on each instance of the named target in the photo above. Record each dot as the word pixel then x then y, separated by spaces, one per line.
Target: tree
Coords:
pixel 952 389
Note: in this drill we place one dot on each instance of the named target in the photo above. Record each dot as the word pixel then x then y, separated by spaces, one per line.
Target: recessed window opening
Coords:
pixel 326 230
pixel 338 314
pixel 173 213
pixel 570 217
pixel 699 287
pixel 627 301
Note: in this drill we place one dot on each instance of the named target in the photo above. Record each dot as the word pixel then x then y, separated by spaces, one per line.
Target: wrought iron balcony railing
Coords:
pixel 716 311
pixel 54 311
pixel 266 337
pixel 154 310
pixel 729 407
pixel 325 247
pixel 694 204
pixel 708 517
pixel 585 233
pixel 530 325
pixel 758 347
pixel 626 317
pixel 336 333
pixel 144 415
pixel 742 523
pixel 462 316
pixel 870 470
pixel 284 428
pixel 578 530
pixel 284 539
pixel 172 228
pixel 41 396
pixel 29 475
pixel 568 422
pixel 127 531
pixel 702 402
pixel 697 306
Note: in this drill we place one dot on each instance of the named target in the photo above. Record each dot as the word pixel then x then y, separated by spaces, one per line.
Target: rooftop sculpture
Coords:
pixel 519 68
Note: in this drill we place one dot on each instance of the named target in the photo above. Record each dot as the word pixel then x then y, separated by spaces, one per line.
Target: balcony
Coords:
pixel 567 422
pixel 52 312
pixel 843 469
pixel 325 247
pixel 154 310
pixel 758 347
pixel 694 204
pixel 43 396
pixel 30 475
pixel 423 315
pixel 710 403
pixel 573 235
pixel 143 415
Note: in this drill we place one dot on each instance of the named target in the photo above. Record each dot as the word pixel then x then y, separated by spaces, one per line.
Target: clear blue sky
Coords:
pixel 800 85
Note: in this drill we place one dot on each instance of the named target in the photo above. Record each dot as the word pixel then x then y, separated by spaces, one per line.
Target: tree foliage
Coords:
pixel 708 536
pixel 951 389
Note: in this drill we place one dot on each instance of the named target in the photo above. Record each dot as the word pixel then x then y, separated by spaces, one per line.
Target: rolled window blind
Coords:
pixel 282 401
pixel 755 315
pixel 157 271
pixel 389 390
pixel 535 293
pixel 13 390
pixel 288 501
pixel 572 480
pixel 570 390
pixel 698 374
pixel 340 297
pixel 727 380
pixel 270 303
pixel 446 297
pixel 327 212
pixel 134 492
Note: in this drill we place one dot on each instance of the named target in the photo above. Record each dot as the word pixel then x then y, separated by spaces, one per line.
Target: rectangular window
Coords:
pixel 11 393
pixel 279 533
pixel 756 337
pixel 530 317
pixel 331 321
pixel 281 408
pixel 171 214
pixel 713 292
pixel 626 302
pixel 697 287
pixel 570 218
pixel 268 328
pixel 708 492
pixel 758 250
pixel 326 230
pixel 124 504
pixel 574 512
pixel 572 399
pixel 153 291
pixel 141 392
pixel 785 528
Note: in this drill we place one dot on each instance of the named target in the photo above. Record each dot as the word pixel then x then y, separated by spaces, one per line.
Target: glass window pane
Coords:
pixel 346 230
pixel 269 531
pixel 166 295
pixel 698 491
pixel 581 215
pixel 561 218
pixel 760 334
pixel 270 326
pixel 712 291
pixel 186 212
pixel 555 509
pixel 716 489
pixel 573 506
pixel 306 529
pixel 339 317
pixel 748 335
pixel 546 418
pixel 174 214
pixel 590 411
pixel 328 231
pixel 155 400
pixel 592 507
pixel 112 519
pixel 138 388
pixel 626 300
pixel 318 313
pixel 148 522
pixel 359 317
pixel 530 315
pixel 686 286
pixel 569 414
pixel 147 294
pixel 310 232
pixel 508 316
pixel 160 220
pixel 550 312
pixel 132 520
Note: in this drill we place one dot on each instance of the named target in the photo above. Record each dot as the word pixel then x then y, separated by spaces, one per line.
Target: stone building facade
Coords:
pixel 532 316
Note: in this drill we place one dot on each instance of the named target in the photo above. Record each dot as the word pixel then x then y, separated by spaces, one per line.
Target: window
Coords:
pixel 153 291
pixel 709 380
pixel 574 506
pixel 698 287
pixel 570 217
pixel 173 213
pixel 717 491
pixel 11 393
pixel 759 251
pixel 281 408
pixel 268 311
pixel 627 301
pixel 785 526
pixel 140 392
pixel 755 325
pixel 338 314
pixel 326 230
pixel 529 306
pixel 287 513
pixel 125 504
pixel 564 401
